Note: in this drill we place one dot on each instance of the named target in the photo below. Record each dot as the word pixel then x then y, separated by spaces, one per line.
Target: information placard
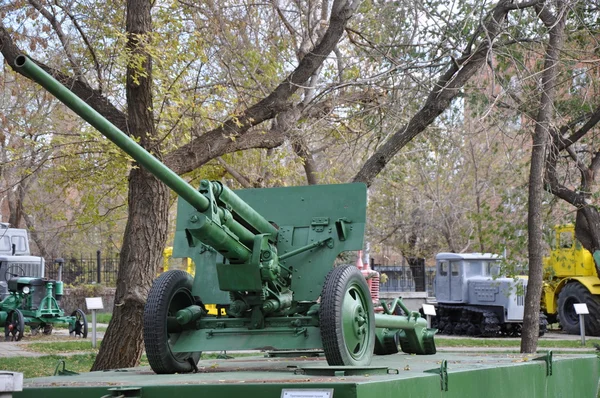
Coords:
pixel 581 309
pixel 307 393
pixel 94 303
pixel 429 309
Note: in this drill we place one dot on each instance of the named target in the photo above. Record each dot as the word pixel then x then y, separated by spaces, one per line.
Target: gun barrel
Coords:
pixel 243 210
pixel 110 131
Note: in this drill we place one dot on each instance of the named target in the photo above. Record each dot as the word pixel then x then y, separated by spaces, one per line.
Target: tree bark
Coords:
pixel 147 223
pixel 539 152
pixel 587 229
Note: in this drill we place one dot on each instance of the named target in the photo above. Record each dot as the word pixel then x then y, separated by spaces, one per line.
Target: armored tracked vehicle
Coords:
pixel 475 299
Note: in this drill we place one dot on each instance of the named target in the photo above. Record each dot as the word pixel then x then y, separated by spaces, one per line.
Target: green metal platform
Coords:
pixel 442 375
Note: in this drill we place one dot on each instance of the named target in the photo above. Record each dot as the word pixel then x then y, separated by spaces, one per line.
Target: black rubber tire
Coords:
pixel 551 318
pixel 543 325
pixel 14 318
pixel 573 293
pixel 170 292
pixel 345 286
pixel 81 325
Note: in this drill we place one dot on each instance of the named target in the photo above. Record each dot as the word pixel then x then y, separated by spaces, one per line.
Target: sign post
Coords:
pixel 429 310
pixel 93 304
pixel 581 309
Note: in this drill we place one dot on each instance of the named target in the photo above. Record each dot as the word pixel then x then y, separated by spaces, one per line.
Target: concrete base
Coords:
pixel 10 382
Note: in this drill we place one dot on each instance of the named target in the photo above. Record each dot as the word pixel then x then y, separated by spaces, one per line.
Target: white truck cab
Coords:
pixel 16 258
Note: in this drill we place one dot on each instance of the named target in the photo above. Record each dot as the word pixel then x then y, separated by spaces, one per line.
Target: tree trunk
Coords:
pixel 535 223
pixel 147 224
pixel 15 206
pixel 539 153
pixel 144 241
pixel 587 229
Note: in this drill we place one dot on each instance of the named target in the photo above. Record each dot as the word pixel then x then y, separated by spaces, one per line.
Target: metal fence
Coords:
pixel 411 276
pixel 85 269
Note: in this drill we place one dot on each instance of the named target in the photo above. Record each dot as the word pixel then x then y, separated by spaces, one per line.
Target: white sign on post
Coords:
pixel 94 303
pixel 429 309
pixel 581 309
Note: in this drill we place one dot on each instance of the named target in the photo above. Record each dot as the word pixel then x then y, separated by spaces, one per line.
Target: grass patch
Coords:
pixel 85 346
pixel 58 347
pixel 101 317
pixel 45 366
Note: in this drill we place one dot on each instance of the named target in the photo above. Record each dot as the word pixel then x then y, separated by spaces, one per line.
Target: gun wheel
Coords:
pixel 346 317
pixel 14 326
pixel 170 292
pixel 80 325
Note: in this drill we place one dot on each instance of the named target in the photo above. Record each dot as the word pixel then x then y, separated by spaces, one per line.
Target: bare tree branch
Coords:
pixel 444 91
pixel 61 36
pixel 224 138
pixel 93 97
pixel 87 43
pixel 235 174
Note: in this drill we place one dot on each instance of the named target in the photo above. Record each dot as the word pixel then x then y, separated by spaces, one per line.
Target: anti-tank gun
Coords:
pixel 266 254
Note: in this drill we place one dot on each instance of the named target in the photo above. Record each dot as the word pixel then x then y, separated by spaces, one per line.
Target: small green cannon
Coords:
pixel 268 256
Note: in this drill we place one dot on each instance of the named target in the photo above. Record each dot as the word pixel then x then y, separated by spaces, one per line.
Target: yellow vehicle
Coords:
pixel 185 264
pixel 571 277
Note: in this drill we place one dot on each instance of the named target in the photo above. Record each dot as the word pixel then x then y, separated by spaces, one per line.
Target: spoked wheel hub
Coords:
pixel 355 324
pixel 80 325
pixel 346 318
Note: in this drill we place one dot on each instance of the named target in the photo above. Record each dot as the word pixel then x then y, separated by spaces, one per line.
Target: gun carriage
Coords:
pixel 268 255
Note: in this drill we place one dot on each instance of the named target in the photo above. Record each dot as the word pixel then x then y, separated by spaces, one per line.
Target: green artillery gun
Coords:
pixel 34 301
pixel 266 254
